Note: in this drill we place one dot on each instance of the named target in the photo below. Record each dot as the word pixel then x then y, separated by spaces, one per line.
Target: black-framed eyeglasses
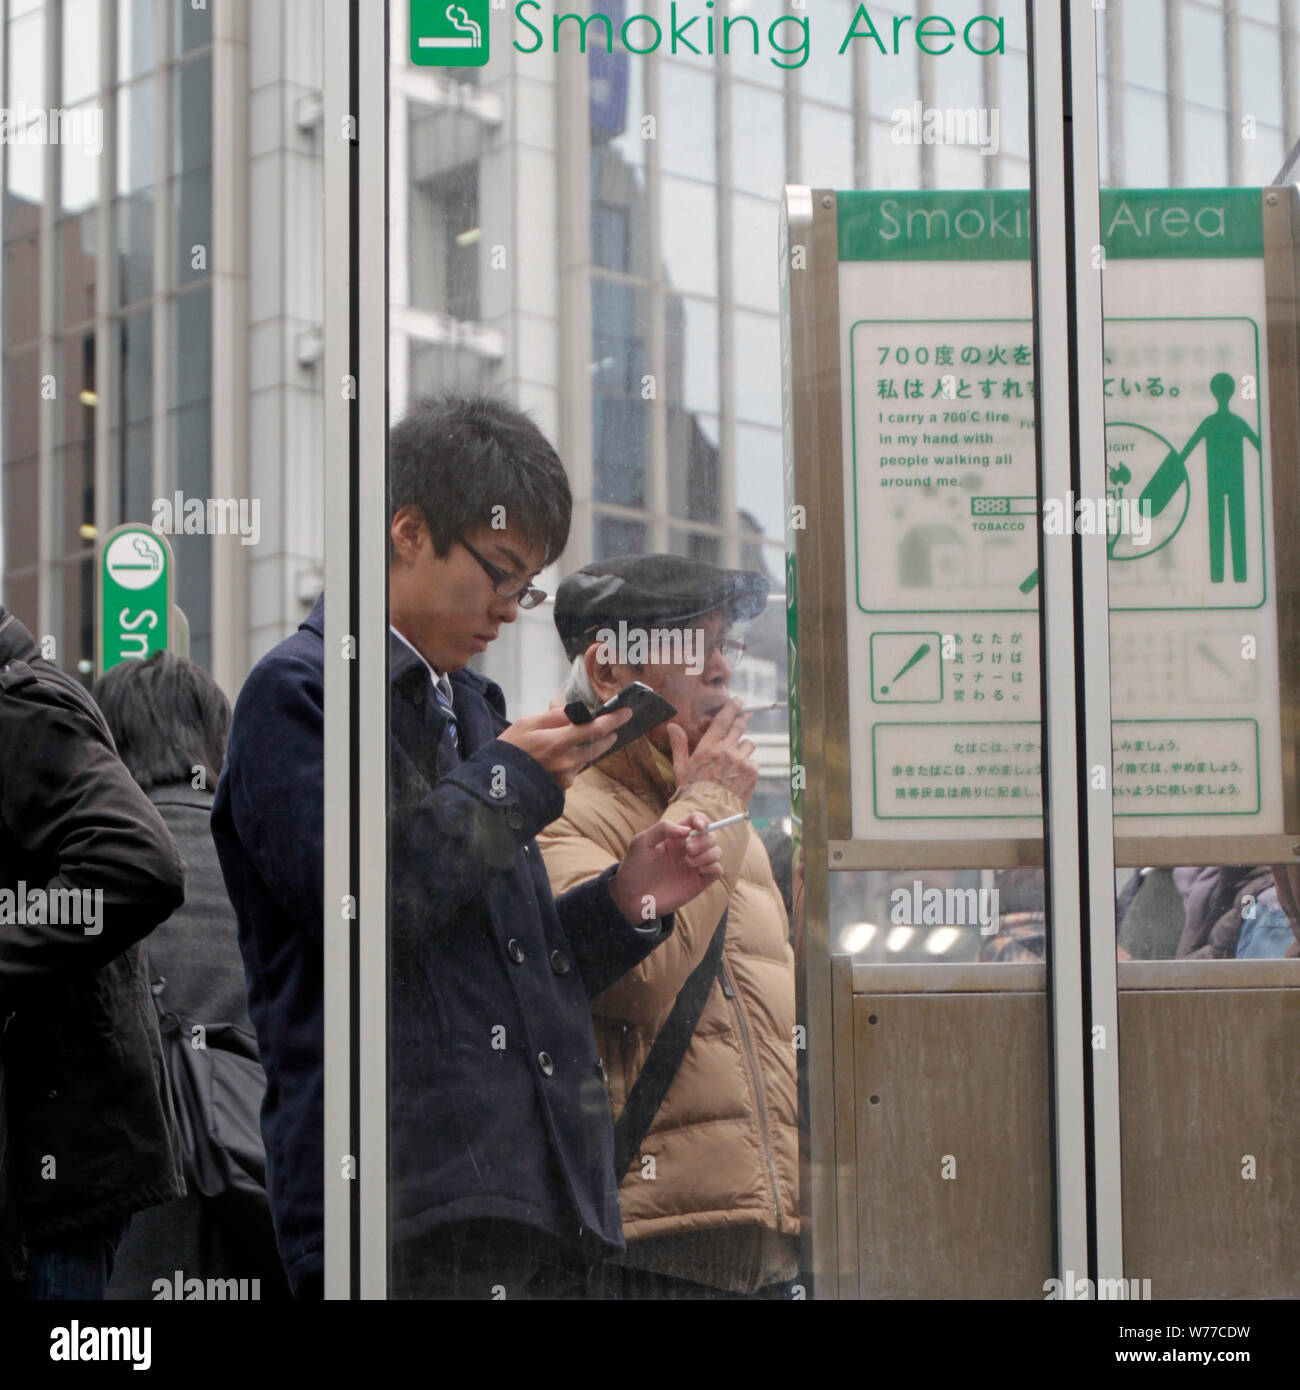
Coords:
pixel 505 584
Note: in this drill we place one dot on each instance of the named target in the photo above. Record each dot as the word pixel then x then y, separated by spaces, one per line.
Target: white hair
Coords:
pixel 578 685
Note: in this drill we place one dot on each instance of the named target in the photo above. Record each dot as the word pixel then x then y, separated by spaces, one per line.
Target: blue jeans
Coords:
pixel 1266 936
pixel 76 1265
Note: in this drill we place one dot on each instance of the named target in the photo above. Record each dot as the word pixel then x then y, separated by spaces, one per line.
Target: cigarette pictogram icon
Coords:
pixel 472 36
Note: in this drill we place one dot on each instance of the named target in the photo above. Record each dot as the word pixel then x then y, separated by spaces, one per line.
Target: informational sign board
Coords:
pixel 941 515
pixel 134 617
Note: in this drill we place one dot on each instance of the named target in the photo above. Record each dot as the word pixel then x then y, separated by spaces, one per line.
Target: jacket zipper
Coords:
pixel 751 1059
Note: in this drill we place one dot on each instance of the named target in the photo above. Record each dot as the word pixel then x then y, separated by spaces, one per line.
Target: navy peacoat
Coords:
pixel 496 1092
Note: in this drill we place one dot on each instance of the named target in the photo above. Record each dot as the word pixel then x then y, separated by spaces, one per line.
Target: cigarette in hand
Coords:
pixel 719 825
pixel 760 709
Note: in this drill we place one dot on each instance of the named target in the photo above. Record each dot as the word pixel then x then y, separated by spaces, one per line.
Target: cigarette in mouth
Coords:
pixel 759 709
pixel 719 825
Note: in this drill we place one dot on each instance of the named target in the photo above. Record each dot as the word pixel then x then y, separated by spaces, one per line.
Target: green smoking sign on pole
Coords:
pixel 136 581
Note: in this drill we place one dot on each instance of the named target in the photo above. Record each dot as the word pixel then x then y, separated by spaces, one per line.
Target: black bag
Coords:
pixel 666 1054
pixel 217 1090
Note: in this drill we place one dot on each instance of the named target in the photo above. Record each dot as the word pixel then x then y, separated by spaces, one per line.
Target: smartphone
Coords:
pixel 649 711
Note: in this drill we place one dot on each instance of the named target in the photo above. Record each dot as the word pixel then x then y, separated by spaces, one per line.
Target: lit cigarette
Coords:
pixel 759 709
pixel 719 825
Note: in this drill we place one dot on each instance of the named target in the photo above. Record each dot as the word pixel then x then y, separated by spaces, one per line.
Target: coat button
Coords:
pixel 601 1072
pixel 544 1063
pixel 514 820
pixel 515 951
pixel 560 963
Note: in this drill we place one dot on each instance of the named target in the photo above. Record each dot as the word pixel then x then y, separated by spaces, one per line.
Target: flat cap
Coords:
pixel 650 590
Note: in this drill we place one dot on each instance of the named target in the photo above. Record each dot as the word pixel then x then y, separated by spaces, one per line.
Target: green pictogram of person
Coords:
pixel 1223 433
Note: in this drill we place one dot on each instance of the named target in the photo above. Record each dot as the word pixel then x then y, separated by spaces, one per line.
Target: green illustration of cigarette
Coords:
pixel 922 650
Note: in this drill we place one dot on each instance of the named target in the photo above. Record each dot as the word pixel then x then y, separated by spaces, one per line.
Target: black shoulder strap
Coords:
pixel 666 1054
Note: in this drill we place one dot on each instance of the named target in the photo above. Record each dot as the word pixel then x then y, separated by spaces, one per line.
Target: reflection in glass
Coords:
pixel 134 242
pixel 759 483
pixel 758 144
pixel 825 148
pixel 191 26
pixel 190 452
pixel 693 483
pixel 687 141
pixel 135 132
pixel 25 87
pixel 1203 49
pixel 22 270
pixel 191 348
pixel 135 29
pixel 691 348
pixel 135 367
pixel 192 115
pixel 756 368
pixel 445 242
pixel 689 234
pixel 620 324
pixel 191 204
pixel 79 162
pixel 753 252
pixel 617 535
pixel 81 50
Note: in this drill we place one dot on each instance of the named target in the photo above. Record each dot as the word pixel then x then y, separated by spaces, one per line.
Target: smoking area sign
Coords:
pixel 135 616
pixel 941 515
pixel 454 34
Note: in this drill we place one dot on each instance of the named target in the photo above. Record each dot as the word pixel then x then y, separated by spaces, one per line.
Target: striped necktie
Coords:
pixel 442 689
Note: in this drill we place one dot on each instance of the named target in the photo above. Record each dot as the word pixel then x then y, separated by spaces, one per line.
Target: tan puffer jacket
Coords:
pixel 725 1140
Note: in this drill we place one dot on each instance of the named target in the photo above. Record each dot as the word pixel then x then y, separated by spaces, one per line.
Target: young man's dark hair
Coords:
pixel 168 716
pixel 459 457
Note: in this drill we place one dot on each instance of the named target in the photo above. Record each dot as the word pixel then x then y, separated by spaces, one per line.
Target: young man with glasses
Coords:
pixel 500 1150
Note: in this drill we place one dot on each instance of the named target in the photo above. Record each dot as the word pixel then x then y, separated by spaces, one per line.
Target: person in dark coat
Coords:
pixel 169 720
pixel 87 1129
pixel 501 1148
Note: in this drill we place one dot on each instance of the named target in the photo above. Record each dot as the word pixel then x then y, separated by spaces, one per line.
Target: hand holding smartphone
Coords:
pixel 649 711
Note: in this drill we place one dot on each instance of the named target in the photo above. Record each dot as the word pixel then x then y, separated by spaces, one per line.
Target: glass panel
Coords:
pixel 687 143
pixel 81 50
pixel 1201 714
pixel 81 145
pixel 826 148
pixel 135 38
pixel 135 136
pixel 616 535
pixel 689 231
pixel 192 357
pixel 641 332
pixel 694 465
pixel 192 119
pixel 753 235
pixel 191 26
pixel 191 201
pixel 21 291
pixel 758 155
pixel 620 323
pixel 134 232
pixel 25 161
